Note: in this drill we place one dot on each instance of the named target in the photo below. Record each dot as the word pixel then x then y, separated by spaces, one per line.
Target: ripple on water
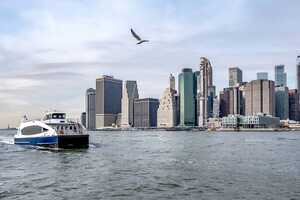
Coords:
pixel 155 165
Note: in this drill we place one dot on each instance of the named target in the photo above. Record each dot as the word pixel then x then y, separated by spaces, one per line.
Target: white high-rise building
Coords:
pixel 130 93
pixel 205 81
pixel 167 110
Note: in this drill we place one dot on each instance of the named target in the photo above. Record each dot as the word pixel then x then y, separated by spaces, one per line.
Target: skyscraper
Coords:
pixel 187 100
pixel 230 101
pixel 90 108
pixel 196 95
pixel 83 119
pixel 145 112
pixel 282 102
pixel 216 107
pixel 210 100
pixel 235 76
pixel 172 82
pixel 260 97
pixel 130 93
pixel 205 81
pixel 280 76
pixel 298 73
pixel 167 110
pixel 262 76
pixel 294 105
pixel 108 101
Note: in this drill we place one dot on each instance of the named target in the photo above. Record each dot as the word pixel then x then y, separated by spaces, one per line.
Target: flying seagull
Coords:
pixel 140 41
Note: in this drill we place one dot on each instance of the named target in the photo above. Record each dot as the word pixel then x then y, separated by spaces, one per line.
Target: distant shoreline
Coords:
pixel 196 129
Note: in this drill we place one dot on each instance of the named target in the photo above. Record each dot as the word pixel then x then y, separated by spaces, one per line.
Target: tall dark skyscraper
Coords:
pixel 282 102
pixel 235 76
pixel 187 101
pixel 298 72
pixel 145 112
pixel 293 105
pixel 231 101
pixel 280 76
pixel 90 108
pixel 108 101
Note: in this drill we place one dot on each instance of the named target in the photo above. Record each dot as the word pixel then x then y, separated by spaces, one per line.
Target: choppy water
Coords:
pixel 156 165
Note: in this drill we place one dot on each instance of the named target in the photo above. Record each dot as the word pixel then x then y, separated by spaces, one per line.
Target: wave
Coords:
pixel 6 140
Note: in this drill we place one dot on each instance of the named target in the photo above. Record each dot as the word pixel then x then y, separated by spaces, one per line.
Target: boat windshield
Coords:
pixel 31 130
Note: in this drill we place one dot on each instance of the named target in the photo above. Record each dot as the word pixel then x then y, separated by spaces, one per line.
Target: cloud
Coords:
pixel 51 51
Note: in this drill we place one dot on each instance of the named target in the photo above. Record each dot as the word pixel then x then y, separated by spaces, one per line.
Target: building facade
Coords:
pixel 83 119
pixel 260 97
pixel 250 121
pixel 298 72
pixel 205 82
pixel 167 110
pixel 145 112
pixel 282 102
pixel 235 76
pixel 294 105
pixel 108 101
pixel 262 76
pixel 231 101
pixel 216 107
pixel 130 93
pixel 186 97
pixel 280 76
pixel 90 108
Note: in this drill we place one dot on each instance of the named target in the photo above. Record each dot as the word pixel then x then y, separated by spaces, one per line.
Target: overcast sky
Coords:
pixel 51 51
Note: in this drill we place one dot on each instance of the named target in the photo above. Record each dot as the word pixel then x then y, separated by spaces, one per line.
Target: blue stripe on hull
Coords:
pixel 46 140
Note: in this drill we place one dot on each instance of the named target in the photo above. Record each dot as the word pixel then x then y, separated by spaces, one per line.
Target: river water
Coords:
pixel 156 165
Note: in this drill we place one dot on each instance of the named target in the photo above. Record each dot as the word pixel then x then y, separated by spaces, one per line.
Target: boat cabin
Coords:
pixel 54 117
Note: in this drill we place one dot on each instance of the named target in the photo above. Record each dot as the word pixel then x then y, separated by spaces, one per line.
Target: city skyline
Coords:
pixel 56 59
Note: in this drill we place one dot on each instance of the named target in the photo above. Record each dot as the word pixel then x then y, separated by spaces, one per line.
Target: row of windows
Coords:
pixel 31 130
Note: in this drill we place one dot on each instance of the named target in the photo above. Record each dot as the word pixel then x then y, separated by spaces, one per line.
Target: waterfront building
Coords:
pixel 231 101
pixel 250 121
pixel 242 87
pixel 196 95
pixel 90 108
pixel 280 76
pixel 205 81
pixel 282 102
pixel 83 119
pixel 210 100
pixel 235 76
pixel 262 76
pixel 145 112
pixel 260 97
pixel 130 93
pixel 294 105
pixel 167 110
pixel 298 72
pixel 108 101
pixel 186 97
pixel 216 107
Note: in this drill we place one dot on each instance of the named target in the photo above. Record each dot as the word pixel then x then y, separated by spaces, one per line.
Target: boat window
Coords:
pixel 58 116
pixel 31 130
pixel 71 127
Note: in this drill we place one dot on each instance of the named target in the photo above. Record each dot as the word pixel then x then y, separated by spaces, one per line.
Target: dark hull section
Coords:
pixel 73 141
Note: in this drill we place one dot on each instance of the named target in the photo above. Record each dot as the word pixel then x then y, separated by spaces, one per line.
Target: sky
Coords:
pixel 51 51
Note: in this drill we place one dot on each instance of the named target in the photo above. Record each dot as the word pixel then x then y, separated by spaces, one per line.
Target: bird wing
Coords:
pixel 135 35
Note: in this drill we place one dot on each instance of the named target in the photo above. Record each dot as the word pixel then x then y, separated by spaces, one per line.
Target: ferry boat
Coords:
pixel 53 130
